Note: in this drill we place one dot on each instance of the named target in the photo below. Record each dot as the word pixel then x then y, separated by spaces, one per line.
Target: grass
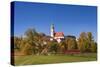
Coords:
pixel 42 59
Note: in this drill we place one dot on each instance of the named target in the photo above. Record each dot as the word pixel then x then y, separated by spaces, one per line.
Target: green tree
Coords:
pixel 93 46
pixel 54 47
pixel 82 42
pixel 90 37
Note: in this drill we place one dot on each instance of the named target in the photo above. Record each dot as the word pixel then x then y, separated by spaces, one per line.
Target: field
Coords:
pixel 42 59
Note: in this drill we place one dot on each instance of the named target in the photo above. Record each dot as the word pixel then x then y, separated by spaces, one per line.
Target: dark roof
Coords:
pixel 70 36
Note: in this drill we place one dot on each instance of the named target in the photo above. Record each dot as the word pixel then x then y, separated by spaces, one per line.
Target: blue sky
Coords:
pixel 70 19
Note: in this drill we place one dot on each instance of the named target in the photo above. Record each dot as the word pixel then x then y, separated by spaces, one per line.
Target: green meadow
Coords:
pixel 43 59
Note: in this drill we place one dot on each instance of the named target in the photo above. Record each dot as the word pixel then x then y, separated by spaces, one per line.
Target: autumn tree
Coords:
pixel 63 46
pixel 86 42
pixel 72 44
pixel 36 40
pixel 17 42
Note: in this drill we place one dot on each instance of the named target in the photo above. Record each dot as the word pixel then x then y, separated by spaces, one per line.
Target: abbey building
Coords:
pixel 58 36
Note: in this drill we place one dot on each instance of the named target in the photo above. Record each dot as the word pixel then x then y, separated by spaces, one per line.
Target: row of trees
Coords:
pixel 39 43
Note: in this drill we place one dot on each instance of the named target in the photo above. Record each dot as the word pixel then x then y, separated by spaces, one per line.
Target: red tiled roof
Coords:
pixel 59 34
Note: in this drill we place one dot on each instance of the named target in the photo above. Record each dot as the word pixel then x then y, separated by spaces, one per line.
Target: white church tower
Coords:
pixel 52 30
pixel 58 36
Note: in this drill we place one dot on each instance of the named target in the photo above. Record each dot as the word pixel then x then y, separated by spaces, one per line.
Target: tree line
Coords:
pixel 38 43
